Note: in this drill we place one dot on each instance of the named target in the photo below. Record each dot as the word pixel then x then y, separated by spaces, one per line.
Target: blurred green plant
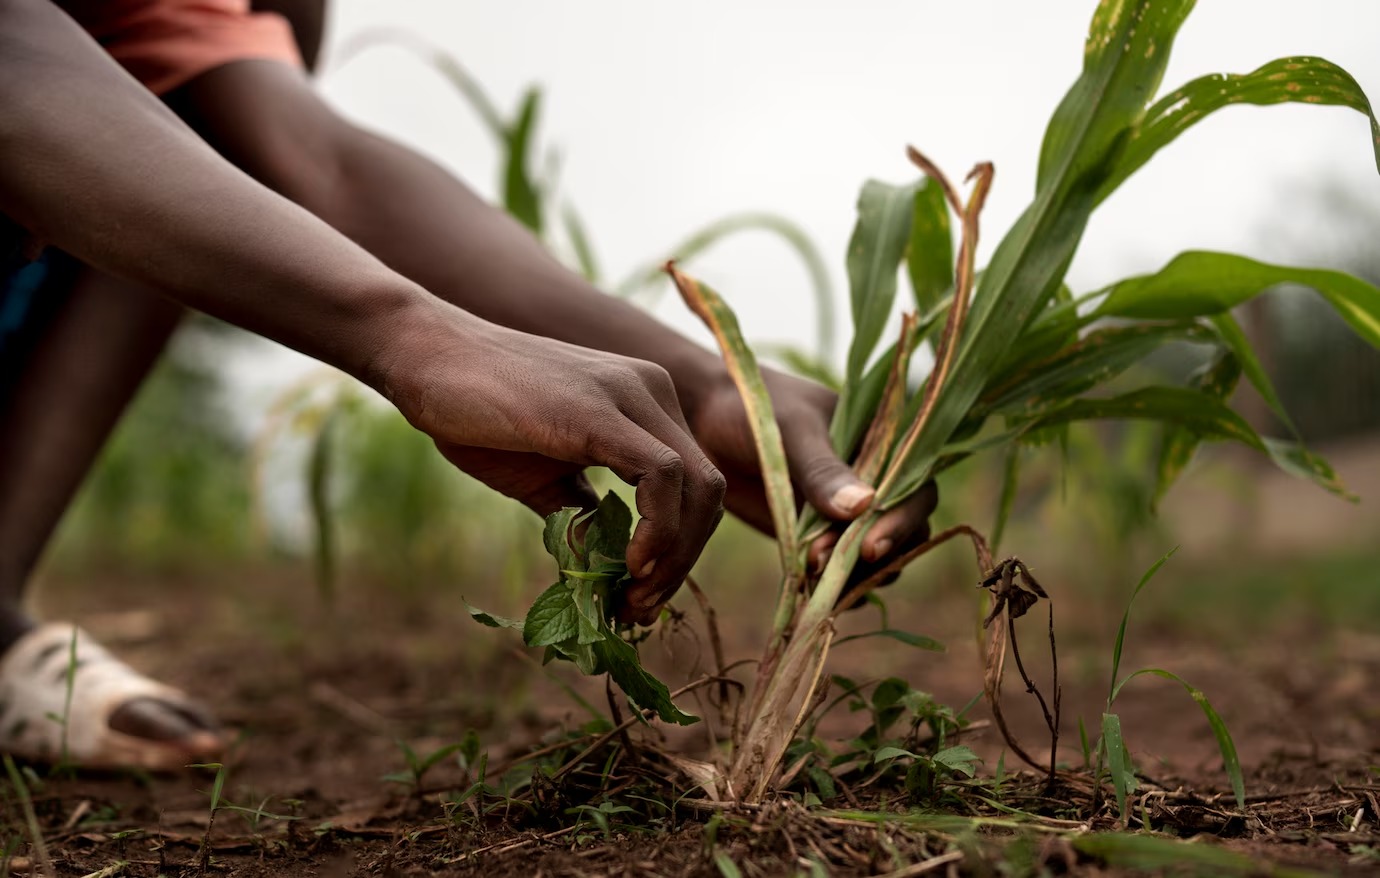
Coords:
pixel 380 496
pixel 530 191
pixel 171 486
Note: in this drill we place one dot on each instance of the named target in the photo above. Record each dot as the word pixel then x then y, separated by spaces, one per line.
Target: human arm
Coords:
pixel 91 162
pixel 430 226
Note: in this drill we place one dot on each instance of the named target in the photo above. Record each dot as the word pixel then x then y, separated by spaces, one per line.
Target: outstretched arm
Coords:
pixel 430 226
pixel 91 162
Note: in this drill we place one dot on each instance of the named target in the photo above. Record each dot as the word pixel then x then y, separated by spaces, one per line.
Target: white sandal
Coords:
pixel 35 712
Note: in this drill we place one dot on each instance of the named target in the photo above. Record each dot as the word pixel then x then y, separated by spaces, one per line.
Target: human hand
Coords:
pixel 803 410
pixel 526 415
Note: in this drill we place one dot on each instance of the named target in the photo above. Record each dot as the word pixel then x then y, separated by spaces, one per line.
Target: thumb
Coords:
pixel 829 484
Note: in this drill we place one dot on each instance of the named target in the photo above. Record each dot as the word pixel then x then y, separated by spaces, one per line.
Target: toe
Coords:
pixel 182 725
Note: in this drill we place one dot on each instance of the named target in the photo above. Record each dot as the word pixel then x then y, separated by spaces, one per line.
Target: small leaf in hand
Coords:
pixel 553 618
pixel 491 620
pixel 558 537
pixel 619 659
pixel 610 528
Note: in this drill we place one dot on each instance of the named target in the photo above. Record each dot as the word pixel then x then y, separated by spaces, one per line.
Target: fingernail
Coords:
pixel 881 549
pixel 853 498
pixel 647 569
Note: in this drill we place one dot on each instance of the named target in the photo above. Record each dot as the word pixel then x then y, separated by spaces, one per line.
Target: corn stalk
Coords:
pixel 1018 355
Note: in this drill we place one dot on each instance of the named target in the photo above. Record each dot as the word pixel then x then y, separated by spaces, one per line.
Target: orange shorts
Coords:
pixel 166 43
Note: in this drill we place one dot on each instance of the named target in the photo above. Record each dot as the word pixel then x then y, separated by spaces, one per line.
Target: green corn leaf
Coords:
pixel 853 413
pixel 1201 283
pixel 553 618
pixel 874 258
pixel 576 230
pixel 474 93
pixel 521 195
pixel 930 253
pixel 1235 339
pixel 1219 728
pixel 1127 48
pixel 801 362
pixel 1206 416
pixel 766 435
pixel 1218 378
pixel 1198 411
pixel 1298 79
pixel 1118 761
pixel 1095 359
pixel 1010 481
pixel 619 659
pixel 1053 329
pixel 788 232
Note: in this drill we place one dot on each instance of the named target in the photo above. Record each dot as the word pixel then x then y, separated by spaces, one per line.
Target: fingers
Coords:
pixel 896 532
pixel 829 484
pixel 679 497
pixel 573 490
pixel 542 484
pixel 903 527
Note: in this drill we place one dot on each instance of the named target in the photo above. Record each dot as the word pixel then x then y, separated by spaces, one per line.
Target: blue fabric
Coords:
pixel 18 289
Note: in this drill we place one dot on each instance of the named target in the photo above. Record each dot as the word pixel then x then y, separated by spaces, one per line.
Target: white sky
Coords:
pixel 669 115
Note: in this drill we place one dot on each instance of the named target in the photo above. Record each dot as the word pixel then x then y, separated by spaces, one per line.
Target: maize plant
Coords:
pixel 1017 356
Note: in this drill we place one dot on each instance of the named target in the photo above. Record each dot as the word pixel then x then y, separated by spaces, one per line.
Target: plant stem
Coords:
pixel 770 727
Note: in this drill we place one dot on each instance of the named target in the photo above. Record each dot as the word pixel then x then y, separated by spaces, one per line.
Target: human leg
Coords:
pixel 83 354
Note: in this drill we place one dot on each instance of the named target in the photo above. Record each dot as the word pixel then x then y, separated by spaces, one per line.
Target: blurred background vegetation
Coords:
pixel 338 486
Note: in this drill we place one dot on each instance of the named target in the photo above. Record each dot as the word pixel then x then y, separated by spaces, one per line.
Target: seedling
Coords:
pixel 1018 359
pixel 1119 765
pixel 418 766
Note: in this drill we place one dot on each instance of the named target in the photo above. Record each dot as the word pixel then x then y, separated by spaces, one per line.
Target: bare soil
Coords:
pixel 320 698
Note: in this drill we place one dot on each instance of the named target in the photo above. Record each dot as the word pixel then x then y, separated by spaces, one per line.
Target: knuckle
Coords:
pixel 657 379
pixel 667 466
pixel 715 485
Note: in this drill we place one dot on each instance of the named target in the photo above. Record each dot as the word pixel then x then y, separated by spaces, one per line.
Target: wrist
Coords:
pixel 409 326
pixel 698 375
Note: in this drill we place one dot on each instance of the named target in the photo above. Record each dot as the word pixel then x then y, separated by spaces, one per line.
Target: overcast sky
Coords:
pixel 669 115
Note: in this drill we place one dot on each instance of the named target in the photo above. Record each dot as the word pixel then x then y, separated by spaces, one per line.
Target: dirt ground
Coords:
pixel 320 698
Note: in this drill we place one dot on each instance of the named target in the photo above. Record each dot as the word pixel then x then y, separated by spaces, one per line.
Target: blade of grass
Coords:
pixel 26 805
pixel 742 366
pixel 1126 619
pixel 1225 744
pixel 1123 776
